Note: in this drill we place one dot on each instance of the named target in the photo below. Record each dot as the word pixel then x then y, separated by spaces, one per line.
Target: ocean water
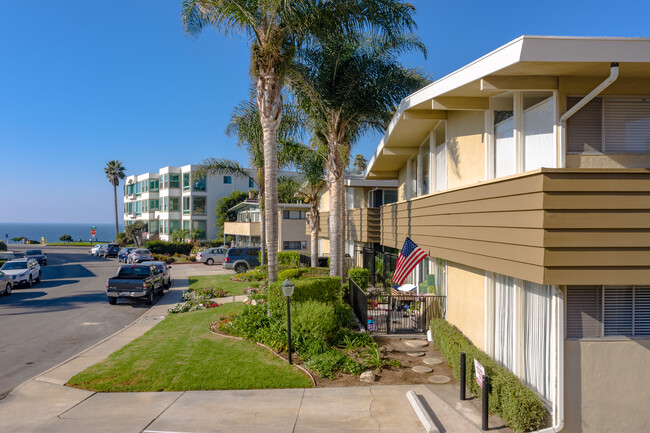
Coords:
pixel 53 231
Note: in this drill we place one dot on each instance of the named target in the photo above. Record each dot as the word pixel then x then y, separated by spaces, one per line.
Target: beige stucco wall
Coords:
pixel 466 301
pixel 293 230
pixel 401 178
pixel 245 229
pixel 465 147
pixel 608 161
pixel 325 200
pixel 607 386
pixel 324 247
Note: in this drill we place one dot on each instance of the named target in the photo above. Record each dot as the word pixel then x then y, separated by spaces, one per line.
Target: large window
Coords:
pixel 202 226
pixel 174 204
pixel 154 205
pixel 186 206
pixel 294 245
pixel 153 185
pixel 174 181
pixel 186 182
pixel 227 179
pixel 165 181
pixel 198 184
pixel 251 182
pixel 174 225
pixel 153 227
pixel 199 206
pixel 609 125
pixel 608 311
pixel 294 215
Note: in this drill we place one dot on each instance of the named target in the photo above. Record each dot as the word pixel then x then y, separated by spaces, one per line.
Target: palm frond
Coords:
pixel 221 166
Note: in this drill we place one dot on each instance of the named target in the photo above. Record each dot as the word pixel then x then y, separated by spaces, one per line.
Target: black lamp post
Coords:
pixel 287 289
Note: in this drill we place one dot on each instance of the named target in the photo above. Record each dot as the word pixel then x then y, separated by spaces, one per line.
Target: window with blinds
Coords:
pixel 609 125
pixel 609 311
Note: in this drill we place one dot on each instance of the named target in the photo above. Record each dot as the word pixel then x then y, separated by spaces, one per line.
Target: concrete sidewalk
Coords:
pixel 44 404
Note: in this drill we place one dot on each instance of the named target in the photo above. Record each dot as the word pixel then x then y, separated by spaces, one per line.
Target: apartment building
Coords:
pixel 291 228
pixel 175 199
pixel 525 176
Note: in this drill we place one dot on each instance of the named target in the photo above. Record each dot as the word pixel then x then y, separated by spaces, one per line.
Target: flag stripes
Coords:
pixel 408 259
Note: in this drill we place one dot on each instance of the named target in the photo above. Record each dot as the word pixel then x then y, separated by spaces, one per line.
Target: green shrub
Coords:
pixel 289 259
pixel 160 247
pixel 323 289
pixel 292 274
pixel 315 319
pixel 162 258
pixel 3 246
pixel 360 276
pixel 256 274
pixel 519 406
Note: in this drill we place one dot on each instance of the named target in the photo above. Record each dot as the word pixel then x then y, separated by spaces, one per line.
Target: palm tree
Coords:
pixel 276 28
pixel 347 84
pixel 360 163
pixel 114 172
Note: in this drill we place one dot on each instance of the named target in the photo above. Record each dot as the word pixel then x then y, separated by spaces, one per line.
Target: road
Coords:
pixel 62 315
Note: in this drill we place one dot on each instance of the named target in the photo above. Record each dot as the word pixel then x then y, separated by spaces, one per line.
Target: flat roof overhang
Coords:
pixel 526 63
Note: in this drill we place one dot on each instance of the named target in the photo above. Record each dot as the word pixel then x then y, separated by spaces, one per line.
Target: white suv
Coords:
pixel 23 271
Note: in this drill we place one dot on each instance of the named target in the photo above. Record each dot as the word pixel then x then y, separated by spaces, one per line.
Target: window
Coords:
pixel 153 227
pixel 294 245
pixel 186 182
pixel 607 311
pixel 174 181
pixel 174 204
pixel 165 204
pixel 145 186
pixel 227 179
pixel 165 181
pixel 138 208
pixel 129 189
pixel 252 252
pixel 164 227
pixel 138 188
pixel 202 226
pixel 154 205
pixel 145 206
pixel 153 185
pixel 424 153
pixel 199 206
pixel 251 182
pixel 294 215
pixel 174 225
pixel 609 125
pixel 186 224
pixel 186 205
pixel 199 184
pixel 390 196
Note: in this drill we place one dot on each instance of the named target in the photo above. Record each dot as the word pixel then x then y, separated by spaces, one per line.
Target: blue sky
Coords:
pixel 84 82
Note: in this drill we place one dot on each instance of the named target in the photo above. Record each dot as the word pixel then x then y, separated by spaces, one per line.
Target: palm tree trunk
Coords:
pixel 269 103
pixel 314 222
pixel 343 215
pixel 262 236
pixel 117 228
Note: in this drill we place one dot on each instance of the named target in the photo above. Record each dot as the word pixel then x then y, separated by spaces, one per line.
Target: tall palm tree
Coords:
pixel 347 85
pixel 360 163
pixel 276 28
pixel 115 171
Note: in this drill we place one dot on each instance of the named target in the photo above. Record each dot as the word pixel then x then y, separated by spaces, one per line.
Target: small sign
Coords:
pixel 93 232
pixel 480 371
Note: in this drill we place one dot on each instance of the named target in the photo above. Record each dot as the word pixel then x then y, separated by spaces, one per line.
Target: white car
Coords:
pixel 212 255
pixel 95 249
pixel 22 271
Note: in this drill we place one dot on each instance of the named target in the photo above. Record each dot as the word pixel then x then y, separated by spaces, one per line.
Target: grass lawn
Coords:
pixel 220 282
pixel 181 354
pixel 72 244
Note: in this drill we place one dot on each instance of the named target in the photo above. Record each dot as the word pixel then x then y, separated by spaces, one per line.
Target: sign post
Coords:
pixel 483 380
pixel 93 232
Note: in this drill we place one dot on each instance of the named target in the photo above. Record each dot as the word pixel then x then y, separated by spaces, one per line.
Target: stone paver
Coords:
pixel 432 361
pixel 439 379
pixel 415 354
pixel 422 369
pixel 416 343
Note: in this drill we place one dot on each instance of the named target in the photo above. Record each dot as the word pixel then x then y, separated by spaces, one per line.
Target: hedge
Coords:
pixel 160 247
pixel 322 289
pixel 360 276
pixel 286 258
pixel 291 274
pixel 520 407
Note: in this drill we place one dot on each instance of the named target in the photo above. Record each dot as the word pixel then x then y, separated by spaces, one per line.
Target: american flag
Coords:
pixel 408 259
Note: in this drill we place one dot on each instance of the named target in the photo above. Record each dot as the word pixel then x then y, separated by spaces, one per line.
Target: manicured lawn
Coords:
pixel 181 354
pixel 221 282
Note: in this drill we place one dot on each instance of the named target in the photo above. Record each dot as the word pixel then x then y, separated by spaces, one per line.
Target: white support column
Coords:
pixel 518 105
pixel 419 176
pixel 489 143
pixel 409 181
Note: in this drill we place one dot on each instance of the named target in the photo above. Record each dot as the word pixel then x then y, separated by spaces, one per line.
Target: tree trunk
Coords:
pixel 334 174
pixel 342 211
pixel 269 103
pixel 262 235
pixel 314 223
pixel 117 227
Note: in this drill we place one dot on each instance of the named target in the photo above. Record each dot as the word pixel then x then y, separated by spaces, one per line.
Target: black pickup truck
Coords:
pixel 136 282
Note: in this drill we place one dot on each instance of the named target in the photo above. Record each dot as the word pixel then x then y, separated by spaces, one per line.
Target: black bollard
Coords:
pixel 462 375
pixel 486 388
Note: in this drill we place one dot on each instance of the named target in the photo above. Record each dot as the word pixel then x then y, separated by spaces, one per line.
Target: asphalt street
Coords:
pixel 62 315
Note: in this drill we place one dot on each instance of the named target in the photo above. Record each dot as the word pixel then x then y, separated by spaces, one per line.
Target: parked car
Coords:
pixel 139 255
pixel 38 255
pixel 93 250
pixel 212 255
pixel 6 282
pixel 135 282
pixel 166 273
pixel 23 271
pixel 124 253
pixel 111 250
pixel 242 259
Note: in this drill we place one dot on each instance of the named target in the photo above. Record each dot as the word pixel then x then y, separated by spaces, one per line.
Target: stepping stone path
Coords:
pixel 432 361
pixel 415 354
pixel 417 344
pixel 422 369
pixel 439 379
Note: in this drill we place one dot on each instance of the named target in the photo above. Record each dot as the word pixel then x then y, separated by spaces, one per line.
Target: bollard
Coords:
pixel 485 388
pixel 462 375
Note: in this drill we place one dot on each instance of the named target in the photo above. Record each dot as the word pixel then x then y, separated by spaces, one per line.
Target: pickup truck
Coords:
pixel 135 281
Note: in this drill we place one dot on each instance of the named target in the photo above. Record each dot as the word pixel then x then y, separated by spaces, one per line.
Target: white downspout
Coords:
pixel 613 75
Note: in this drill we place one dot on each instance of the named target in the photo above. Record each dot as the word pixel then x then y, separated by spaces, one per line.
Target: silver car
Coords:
pixel 6 282
pixel 23 271
pixel 164 269
pixel 212 255
pixel 139 255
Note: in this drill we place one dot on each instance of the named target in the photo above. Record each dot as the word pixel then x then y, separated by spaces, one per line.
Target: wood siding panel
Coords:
pixel 549 226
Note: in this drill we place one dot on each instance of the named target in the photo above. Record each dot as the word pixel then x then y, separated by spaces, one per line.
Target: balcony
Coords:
pixel 242 229
pixel 549 226
pixel 362 225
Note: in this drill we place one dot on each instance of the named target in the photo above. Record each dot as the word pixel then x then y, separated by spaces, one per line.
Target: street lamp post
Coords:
pixel 287 289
